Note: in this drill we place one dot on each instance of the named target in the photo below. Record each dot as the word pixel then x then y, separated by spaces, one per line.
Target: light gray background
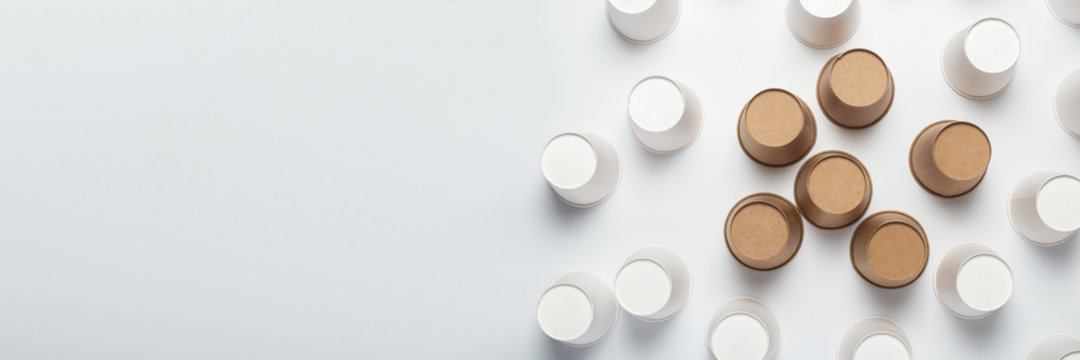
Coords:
pixel 226 179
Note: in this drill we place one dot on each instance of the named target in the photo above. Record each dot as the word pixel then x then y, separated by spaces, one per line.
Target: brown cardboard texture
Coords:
pixel 776 128
pixel 855 88
pixel 833 189
pixel 949 158
pixel 889 249
pixel 763 231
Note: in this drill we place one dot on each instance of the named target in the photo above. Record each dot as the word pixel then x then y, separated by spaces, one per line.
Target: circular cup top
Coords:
pixel 1055 347
pixel 1066 108
pixel 875 338
pixel 889 249
pixel 643 287
pixel 568 161
pixel 564 312
pixel 763 231
pixel 1058 203
pixel 578 309
pixel 949 158
pixel 833 189
pixel 743 328
pixel 855 88
pixel 656 104
pixel 776 128
pixel 992 46
pixel 984 282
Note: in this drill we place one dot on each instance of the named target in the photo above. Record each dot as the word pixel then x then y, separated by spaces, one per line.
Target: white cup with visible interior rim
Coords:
pixel 578 309
pixel 972 281
pixel 823 24
pixel 979 62
pixel 654 284
pixel 743 328
pixel 643 21
pixel 664 115
pixel 583 169
pixel 1066 106
pixel 1044 207
pixel 1055 347
pixel 875 338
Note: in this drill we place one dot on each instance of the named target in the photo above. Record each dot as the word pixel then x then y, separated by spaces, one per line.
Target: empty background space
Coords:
pixel 332 179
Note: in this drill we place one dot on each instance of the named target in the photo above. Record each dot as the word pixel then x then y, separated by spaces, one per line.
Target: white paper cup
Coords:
pixel 1055 347
pixel 664 115
pixel 1066 103
pixel 875 338
pixel 972 281
pixel 578 309
pixel 980 60
pixel 653 284
pixel 582 168
pixel 823 24
pixel 1044 207
pixel 1068 11
pixel 743 328
pixel 643 21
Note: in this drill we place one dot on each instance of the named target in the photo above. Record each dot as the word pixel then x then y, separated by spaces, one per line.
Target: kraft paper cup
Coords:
pixel 980 60
pixel 776 128
pixel 643 21
pixel 1044 207
pixel 1066 105
pixel 743 328
pixel 889 249
pixel 949 158
pixel 583 169
pixel 578 309
pixel 823 24
pixel 875 338
pixel 833 189
pixel 1054 347
pixel 664 115
pixel 1068 11
pixel 972 281
pixel 855 89
pixel 763 231
pixel 653 284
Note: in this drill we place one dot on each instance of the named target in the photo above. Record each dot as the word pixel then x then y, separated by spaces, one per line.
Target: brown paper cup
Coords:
pixel 855 88
pixel 763 231
pixel 949 158
pixel 776 128
pixel 833 189
pixel 889 249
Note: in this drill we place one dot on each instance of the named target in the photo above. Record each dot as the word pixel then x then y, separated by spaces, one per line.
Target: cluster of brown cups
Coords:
pixel 833 189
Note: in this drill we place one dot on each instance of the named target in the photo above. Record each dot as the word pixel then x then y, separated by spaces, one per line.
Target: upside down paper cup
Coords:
pixel 1066 105
pixel 889 249
pixel 855 88
pixel 776 128
pixel 578 309
pixel 743 328
pixel 833 189
pixel 643 21
pixel 972 281
pixel 583 169
pixel 664 115
pixel 653 284
pixel 763 231
pixel 1055 347
pixel 979 62
pixel 875 338
pixel 1044 207
pixel 823 24
pixel 949 158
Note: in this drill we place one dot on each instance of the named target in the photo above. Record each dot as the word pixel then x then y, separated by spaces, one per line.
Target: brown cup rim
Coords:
pixel 777 202
pixel 911 157
pixel 807 112
pixel 902 218
pixel 811 212
pixel 891 91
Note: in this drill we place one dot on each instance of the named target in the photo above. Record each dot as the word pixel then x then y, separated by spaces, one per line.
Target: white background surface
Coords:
pixel 360 179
